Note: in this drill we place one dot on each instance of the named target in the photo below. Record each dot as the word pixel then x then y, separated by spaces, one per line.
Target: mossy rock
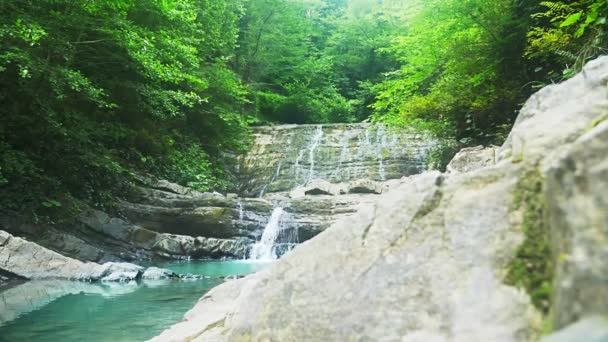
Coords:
pixel 532 268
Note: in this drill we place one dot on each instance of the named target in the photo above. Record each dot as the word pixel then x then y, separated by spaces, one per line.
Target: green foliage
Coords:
pixel 441 155
pixel 567 35
pixel 96 91
pixel 532 268
pixel 456 70
pixel 91 90
pixel 318 59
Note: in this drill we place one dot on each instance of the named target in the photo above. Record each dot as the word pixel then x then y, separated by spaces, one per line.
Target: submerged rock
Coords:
pixel 33 295
pixel 426 262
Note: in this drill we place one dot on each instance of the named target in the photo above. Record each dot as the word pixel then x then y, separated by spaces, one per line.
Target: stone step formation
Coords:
pixel 317 173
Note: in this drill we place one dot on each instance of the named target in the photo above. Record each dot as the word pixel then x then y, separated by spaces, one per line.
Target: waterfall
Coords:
pixel 296 165
pixel 314 143
pixel 274 177
pixel 263 249
pixel 343 154
pixel 381 144
pixel 239 205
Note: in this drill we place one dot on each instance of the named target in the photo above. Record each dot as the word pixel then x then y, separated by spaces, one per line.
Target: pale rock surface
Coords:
pixel 287 156
pixel 577 198
pixel 32 261
pixel 155 273
pixel 472 158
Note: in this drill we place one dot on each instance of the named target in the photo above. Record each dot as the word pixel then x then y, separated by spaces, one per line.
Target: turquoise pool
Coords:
pixel 76 311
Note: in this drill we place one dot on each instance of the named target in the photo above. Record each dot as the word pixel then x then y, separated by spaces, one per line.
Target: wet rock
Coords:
pixel 162 244
pixel 210 216
pixel 120 271
pixel 155 273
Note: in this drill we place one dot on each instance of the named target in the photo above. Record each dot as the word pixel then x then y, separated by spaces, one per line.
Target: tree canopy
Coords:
pixel 95 92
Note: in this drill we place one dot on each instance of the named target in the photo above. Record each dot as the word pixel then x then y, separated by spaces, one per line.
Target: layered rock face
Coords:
pixel 427 261
pixel 285 157
pixel 317 174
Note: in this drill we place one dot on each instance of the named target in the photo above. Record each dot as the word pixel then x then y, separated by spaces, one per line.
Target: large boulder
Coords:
pixel 29 260
pixel 428 261
pixel 577 201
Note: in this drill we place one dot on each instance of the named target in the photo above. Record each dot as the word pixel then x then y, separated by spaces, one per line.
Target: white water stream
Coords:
pixel 314 143
pixel 264 249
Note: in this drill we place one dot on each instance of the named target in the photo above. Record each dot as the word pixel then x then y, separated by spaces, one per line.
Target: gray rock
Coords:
pixel 155 273
pixel 167 186
pixel 577 201
pixel 472 158
pixel 592 329
pixel 557 115
pixel 365 186
pixel 316 187
pixel 287 156
pixel 120 271
pixel 320 187
pixel 32 261
pixel 152 243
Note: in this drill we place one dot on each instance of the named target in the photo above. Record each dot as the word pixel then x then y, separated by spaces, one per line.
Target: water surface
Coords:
pixel 78 311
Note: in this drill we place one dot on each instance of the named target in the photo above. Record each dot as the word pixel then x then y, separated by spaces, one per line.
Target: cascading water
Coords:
pixel 239 205
pixel 336 153
pixel 264 249
pixel 381 143
pixel 274 177
pixel 343 153
pixel 284 158
pixel 314 143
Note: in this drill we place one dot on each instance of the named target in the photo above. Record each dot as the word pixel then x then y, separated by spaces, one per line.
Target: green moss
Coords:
pixel 532 267
pixel 597 121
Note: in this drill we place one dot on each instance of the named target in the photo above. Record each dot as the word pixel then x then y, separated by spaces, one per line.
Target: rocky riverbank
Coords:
pixel 481 253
